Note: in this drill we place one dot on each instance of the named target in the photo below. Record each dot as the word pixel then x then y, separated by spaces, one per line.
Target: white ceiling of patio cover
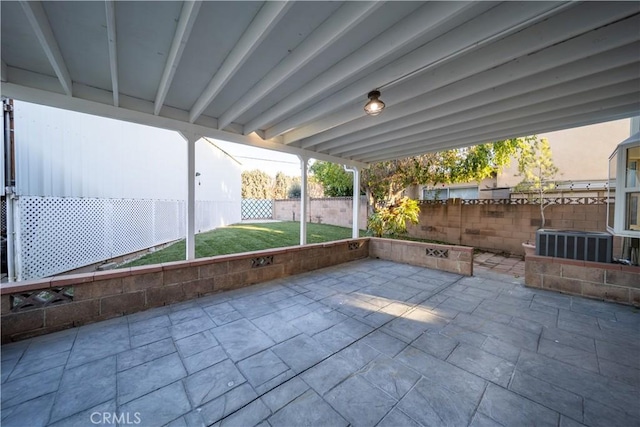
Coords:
pixel 294 76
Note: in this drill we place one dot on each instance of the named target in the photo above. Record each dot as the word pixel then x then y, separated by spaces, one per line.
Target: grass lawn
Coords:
pixel 246 237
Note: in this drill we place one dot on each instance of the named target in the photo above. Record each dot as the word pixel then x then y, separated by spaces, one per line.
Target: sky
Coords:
pixel 268 161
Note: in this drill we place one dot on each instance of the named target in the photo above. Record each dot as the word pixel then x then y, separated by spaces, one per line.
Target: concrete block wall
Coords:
pixel 608 282
pixel 458 259
pixel 333 211
pixel 503 227
pixel 103 295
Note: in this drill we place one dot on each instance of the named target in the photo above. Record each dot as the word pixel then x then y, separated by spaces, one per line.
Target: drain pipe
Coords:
pixel 355 229
pixel 11 269
pixel 9 189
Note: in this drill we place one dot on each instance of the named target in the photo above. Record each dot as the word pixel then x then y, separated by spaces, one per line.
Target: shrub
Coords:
pixel 392 220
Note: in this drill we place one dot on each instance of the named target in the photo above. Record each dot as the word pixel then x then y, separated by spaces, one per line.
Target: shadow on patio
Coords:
pixel 369 342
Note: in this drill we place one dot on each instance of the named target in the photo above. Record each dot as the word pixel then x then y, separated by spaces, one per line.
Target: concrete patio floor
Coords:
pixel 366 343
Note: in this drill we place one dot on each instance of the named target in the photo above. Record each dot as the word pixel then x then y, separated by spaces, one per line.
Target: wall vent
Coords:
pixel 578 245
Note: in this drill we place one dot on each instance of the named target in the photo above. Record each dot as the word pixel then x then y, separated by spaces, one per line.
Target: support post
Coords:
pixel 355 229
pixel 304 200
pixel 191 194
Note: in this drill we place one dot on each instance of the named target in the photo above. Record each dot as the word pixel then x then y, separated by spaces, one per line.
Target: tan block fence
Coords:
pixel 503 225
pixel 496 225
pixel 37 307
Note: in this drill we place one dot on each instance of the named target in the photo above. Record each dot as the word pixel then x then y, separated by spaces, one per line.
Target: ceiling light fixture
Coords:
pixel 374 106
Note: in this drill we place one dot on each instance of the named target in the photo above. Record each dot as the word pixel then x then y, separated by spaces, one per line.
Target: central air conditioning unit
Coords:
pixel 579 245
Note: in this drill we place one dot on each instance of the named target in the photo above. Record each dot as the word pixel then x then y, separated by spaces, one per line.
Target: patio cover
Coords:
pixel 294 76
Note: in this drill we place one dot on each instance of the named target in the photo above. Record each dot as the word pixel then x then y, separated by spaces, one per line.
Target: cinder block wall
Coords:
pixel 609 282
pixel 503 227
pixel 454 259
pixel 333 211
pixel 103 295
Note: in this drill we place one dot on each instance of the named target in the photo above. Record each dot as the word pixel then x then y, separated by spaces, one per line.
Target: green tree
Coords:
pixel 386 181
pixel 256 184
pixel 295 191
pixel 281 186
pixel 335 181
pixel 538 172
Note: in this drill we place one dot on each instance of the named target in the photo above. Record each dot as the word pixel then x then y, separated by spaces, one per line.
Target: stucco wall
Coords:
pixel 580 153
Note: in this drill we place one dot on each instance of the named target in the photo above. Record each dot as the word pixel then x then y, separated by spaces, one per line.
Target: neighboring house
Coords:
pixel 592 145
pixel 88 189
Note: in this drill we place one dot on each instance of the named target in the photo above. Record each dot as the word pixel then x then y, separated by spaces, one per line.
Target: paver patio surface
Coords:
pixel 368 343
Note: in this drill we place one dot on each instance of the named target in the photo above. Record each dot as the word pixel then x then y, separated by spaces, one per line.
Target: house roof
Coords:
pixel 294 76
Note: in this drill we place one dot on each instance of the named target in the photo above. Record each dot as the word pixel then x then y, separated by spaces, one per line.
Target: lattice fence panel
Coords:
pixel 524 201
pixel 168 220
pixel 257 209
pixel 60 234
pixel 3 215
pixel 128 226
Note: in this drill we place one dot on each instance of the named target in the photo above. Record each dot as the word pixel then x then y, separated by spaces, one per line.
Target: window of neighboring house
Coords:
pixel 463 193
pixel 450 193
pixel 435 194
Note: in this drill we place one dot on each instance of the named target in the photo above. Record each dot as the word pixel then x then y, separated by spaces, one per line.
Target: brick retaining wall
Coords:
pixel 609 282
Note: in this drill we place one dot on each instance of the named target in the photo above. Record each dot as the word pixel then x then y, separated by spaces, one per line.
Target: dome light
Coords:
pixel 374 106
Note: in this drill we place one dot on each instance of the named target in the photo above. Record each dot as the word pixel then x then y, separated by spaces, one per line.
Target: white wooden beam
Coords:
pixel 534 38
pixel 483 106
pixel 601 116
pixel 262 24
pixel 188 17
pixel 330 31
pixel 558 64
pixel 355 208
pixel 304 198
pixel 190 245
pixel 513 109
pixel 525 122
pixel 427 19
pixel 499 21
pixel 110 9
pixel 40 23
pixel 143 114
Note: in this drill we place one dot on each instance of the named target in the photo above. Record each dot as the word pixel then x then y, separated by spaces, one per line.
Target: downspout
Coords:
pixel 10 186
pixel 355 229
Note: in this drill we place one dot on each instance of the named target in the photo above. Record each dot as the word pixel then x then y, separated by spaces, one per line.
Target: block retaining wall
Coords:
pixel 608 282
pixel 103 295
pixel 454 259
